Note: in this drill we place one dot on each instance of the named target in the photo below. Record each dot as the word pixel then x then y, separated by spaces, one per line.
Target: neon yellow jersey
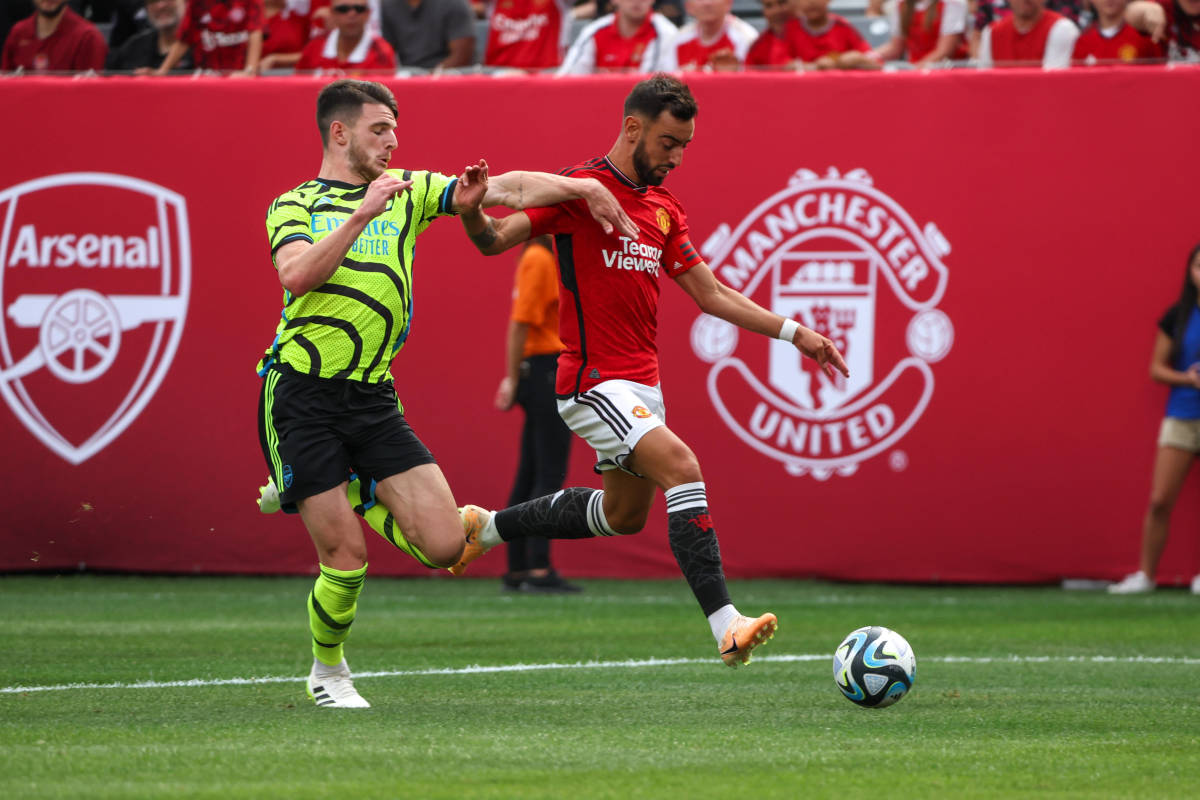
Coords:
pixel 352 326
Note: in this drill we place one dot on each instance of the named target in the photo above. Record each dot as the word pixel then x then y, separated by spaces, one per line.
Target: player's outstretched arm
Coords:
pixel 714 297
pixel 519 190
pixel 303 266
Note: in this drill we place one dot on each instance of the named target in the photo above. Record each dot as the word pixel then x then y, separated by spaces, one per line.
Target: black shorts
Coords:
pixel 316 431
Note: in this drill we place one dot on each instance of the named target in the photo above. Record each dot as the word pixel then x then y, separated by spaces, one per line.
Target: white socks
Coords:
pixel 721 619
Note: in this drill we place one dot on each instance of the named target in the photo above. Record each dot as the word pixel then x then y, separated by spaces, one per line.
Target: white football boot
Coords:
pixel 331 687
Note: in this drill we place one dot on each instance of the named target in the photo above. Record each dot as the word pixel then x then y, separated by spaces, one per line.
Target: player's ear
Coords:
pixel 338 132
pixel 633 128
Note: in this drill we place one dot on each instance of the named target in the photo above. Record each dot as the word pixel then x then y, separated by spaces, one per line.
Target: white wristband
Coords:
pixel 790 326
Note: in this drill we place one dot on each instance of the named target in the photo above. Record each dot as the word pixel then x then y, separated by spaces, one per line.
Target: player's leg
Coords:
pixel 421 502
pixel 611 418
pixel 310 463
pixel 667 461
pixel 361 494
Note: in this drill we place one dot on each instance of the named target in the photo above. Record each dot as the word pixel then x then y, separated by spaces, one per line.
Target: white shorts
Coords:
pixel 612 417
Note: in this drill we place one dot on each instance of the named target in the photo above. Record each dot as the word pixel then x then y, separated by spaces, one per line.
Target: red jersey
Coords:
pixel 689 52
pixel 769 50
pixel 530 34
pixel 285 32
pixel 219 31
pixel 74 46
pixel 370 54
pixel 1128 44
pixel 1009 45
pixel 1183 32
pixel 837 37
pixel 600 46
pixel 923 39
pixel 608 299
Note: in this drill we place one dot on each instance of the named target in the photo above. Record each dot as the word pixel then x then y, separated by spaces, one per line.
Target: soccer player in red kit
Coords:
pixel 608 379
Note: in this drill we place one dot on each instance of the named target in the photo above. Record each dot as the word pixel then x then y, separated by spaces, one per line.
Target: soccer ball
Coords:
pixel 874 667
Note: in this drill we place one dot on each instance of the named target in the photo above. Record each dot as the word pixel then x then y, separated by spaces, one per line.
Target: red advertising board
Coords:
pixel 991 250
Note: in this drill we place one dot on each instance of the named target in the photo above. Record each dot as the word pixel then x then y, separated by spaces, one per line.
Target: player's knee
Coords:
pixel 626 522
pixel 445 551
pixel 345 555
pixel 683 467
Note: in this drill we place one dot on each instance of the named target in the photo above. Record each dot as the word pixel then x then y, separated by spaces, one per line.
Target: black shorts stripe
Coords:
pixel 612 408
pixel 606 411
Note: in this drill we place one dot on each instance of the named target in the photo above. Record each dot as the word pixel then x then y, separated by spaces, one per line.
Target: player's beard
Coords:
pixel 641 165
pixel 362 164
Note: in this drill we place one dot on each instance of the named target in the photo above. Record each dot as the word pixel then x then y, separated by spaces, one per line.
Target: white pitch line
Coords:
pixel 477 669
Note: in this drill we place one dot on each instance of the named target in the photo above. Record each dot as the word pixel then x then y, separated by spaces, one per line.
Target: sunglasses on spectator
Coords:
pixel 346 9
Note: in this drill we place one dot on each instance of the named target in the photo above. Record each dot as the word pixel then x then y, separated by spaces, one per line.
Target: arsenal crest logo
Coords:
pixel 838 256
pixel 94 283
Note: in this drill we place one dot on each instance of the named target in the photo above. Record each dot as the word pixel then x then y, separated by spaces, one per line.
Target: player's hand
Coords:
pixel 1193 373
pixel 506 393
pixel 821 350
pixel 606 210
pixel 380 193
pixel 471 187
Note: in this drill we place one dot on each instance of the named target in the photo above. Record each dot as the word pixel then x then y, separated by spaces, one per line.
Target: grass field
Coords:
pixel 123 687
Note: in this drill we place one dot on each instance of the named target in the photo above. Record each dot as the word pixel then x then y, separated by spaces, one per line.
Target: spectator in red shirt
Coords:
pixel 224 35
pixel 527 34
pixel 632 37
pixel 771 49
pixel 1111 40
pixel 714 40
pixel 1032 35
pixel 285 32
pixel 1174 22
pixel 54 39
pixel 926 31
pixel 348 49
pixel 827 41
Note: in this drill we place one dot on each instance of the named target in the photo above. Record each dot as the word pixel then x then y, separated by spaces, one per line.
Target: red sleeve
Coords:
pixel 854 39
pixel 254 15
pixel 552 219
pixel 310 55
pixel 679 254
pixel 188 32
pixel 382 56
pixel 92 51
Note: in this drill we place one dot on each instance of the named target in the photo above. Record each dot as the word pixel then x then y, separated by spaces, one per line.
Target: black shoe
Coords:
pixel 550 583
pixel 511 581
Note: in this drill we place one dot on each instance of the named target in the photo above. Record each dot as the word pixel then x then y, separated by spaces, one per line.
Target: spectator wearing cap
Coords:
pixel 54 39
pixel 144 51
pixel 350 48
pixel 431 34
pixel 1032 35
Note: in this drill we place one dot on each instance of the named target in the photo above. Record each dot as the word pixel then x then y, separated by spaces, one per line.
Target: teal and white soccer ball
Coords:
pixel 874 667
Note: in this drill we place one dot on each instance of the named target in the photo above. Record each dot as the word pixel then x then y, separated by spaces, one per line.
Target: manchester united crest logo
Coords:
pixel 664 220
pixel 837 255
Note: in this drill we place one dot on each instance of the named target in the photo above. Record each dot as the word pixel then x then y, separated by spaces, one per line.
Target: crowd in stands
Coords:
pixel 378 37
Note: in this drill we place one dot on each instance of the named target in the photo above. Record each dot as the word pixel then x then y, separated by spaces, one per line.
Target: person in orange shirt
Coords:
pixel 532 362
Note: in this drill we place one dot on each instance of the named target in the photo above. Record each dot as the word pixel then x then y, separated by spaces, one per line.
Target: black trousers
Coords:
pixel 545 448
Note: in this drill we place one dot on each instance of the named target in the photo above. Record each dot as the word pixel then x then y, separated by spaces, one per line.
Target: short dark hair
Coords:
pixel 343 101
pixel 659 93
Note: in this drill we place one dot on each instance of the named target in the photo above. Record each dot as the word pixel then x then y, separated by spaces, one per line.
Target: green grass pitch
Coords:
pixel 127 687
